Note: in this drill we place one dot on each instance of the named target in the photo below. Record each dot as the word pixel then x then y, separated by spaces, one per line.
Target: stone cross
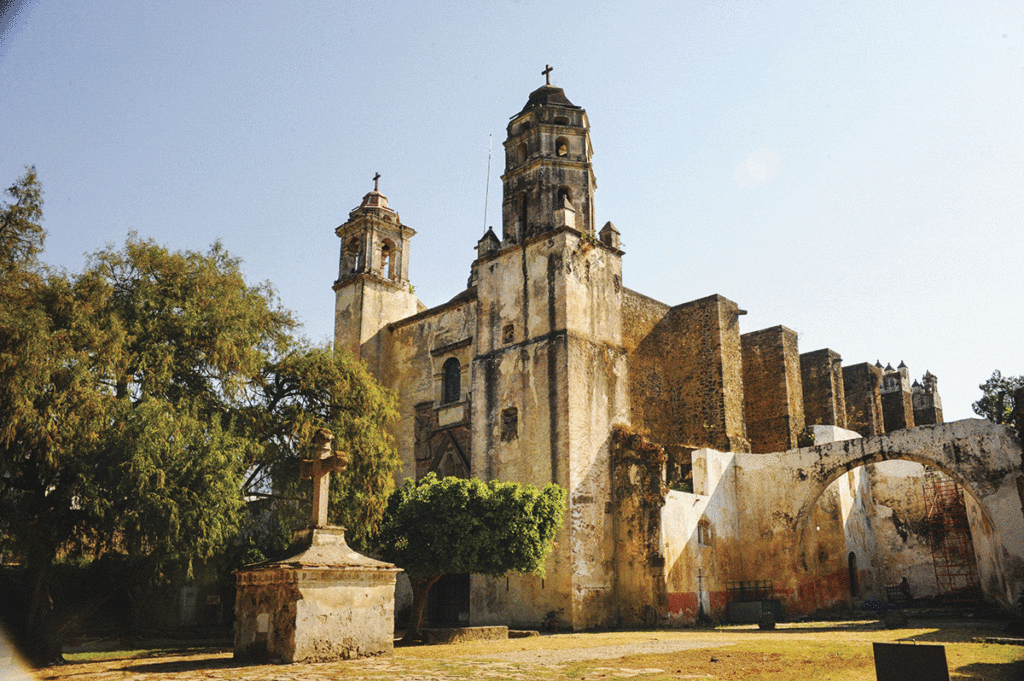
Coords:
pixel 547 72
pixel 375 178
pixel 318 469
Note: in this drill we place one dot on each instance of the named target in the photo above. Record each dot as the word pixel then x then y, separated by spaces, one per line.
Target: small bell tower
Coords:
pixel 547 166
pixel 372 289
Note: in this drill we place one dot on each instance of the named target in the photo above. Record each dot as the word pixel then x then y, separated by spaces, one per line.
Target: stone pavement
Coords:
pixel 488 660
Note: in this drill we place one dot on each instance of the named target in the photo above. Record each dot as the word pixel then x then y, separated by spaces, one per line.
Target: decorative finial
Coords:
pixel 375 178
pixel 547 73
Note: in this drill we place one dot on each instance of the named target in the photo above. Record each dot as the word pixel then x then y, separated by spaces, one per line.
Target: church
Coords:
pixel 705 467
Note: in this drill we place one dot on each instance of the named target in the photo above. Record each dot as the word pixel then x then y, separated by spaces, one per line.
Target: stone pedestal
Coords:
pixel 326 603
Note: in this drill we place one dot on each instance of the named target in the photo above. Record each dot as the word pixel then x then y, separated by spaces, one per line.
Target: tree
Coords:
pixel 1002 400
pixel 295 395
pixel 21 229
pixel 141 400
pixel 453 526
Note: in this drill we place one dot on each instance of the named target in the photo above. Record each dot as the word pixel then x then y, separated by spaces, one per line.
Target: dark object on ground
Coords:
pixel 767 621
pixel 897 662
pixel 895 620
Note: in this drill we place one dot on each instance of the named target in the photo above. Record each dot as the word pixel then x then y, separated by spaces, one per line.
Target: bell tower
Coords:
pixel 372 289
pixel 547 167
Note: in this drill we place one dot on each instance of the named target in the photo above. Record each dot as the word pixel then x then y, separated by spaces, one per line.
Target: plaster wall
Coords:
pixel 698 567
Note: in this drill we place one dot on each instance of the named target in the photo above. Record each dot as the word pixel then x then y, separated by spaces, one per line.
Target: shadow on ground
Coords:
pixel 188 665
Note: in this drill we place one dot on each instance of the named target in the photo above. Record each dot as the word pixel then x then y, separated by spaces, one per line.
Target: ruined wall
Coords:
pixel 862 386
pixel 824 397
pixel 686 374
pixel 772 387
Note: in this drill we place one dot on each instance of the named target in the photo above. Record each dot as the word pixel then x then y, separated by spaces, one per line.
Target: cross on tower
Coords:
pixel 547 73
pixel 318 469
pixel 375 178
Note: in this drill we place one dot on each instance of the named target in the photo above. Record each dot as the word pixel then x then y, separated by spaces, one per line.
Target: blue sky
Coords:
pixel 854 171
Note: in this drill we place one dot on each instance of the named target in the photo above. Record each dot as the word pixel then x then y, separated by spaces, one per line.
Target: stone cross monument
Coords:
pixel 326 602
pixel 319 469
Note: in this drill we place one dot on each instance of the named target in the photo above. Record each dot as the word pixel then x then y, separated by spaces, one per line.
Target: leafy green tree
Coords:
pixel 294 396
pixel 1002 400
pixel 142 400
pixel 454 526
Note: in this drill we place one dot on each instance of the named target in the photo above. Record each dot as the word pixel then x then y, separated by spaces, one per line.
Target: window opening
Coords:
pixel 509 424
pixel 561 147
pixel 452 380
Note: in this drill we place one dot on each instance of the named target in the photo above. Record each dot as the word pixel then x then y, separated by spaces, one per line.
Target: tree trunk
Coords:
pixel 41 638
pixel 420 589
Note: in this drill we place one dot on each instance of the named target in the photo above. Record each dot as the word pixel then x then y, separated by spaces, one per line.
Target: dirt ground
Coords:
pixel 834 650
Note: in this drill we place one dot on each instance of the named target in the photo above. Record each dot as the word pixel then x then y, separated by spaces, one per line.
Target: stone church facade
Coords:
pixel 547 368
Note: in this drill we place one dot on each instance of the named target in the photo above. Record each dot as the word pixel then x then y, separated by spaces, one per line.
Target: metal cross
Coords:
pixel 318 469
pixel 375 178
pixel 547 72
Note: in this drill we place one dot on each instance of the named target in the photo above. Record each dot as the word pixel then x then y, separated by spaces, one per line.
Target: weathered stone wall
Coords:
pixel 862 385
pixel 417 350
pixel 824 397
pixel 927 404
pixel 638 495
pixel 686 374
pixel 772 388
pixel 561 374
pixel 897 405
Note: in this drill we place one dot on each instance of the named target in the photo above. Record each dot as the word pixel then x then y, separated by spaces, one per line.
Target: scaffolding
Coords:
pixel 949 533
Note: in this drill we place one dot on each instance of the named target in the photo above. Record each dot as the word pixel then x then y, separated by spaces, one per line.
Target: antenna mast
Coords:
pixel 487 190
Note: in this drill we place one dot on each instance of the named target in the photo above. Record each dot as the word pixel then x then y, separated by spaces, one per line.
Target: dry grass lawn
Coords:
pixel 839 651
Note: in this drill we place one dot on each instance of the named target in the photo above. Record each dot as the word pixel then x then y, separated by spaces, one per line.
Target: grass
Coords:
pixel 825 651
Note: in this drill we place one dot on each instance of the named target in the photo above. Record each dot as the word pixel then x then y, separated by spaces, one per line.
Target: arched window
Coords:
pixel 521 153
pixel 451 378
pixel 561 147
pixel 387 258
pixel 353 253
pixel 563 193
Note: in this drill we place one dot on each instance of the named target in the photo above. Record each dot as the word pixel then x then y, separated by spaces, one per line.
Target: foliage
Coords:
pixel 144 399
pixel 306 389
pixel 1002 399
pixel 21 229
pixel 455 526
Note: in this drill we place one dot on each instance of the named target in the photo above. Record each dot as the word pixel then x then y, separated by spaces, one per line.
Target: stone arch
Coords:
pixel 984 458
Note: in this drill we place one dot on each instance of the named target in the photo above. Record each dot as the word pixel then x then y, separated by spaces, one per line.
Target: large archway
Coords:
pixel 778 493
